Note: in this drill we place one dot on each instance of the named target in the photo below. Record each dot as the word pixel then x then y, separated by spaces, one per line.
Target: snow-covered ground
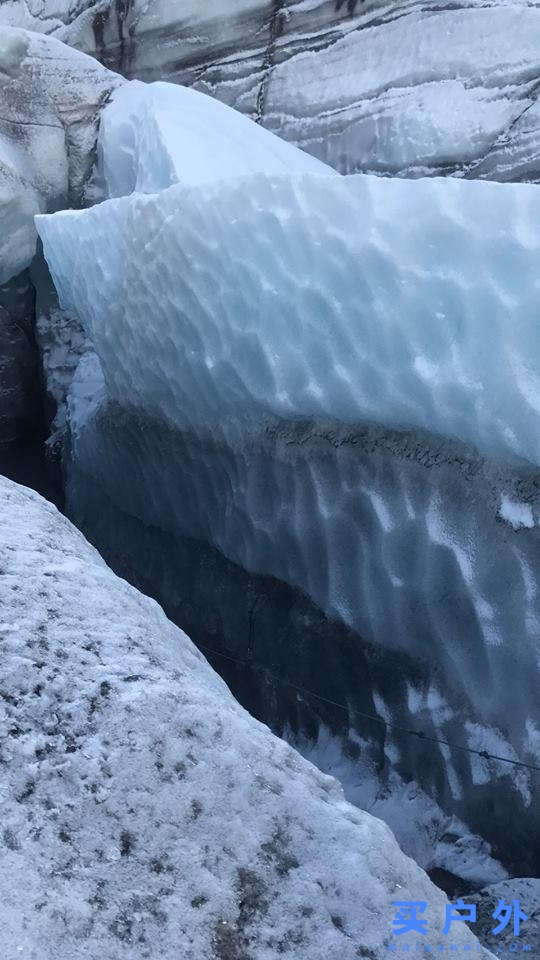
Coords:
pixel 144 812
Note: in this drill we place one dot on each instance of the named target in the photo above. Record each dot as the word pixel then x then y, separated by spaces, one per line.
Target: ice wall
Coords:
pixel 348 516
pixel 323 389
pixel 407 303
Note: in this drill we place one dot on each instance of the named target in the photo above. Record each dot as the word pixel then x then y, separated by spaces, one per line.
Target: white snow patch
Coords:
pixel 155 135
pixel 516 513
pixel 485 770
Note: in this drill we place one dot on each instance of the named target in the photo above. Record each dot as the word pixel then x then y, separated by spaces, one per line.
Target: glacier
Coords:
pixel 299 410
pixel 415 89
pixel 358 298
pixel 51 97
pixel 314 428
pixel 142 805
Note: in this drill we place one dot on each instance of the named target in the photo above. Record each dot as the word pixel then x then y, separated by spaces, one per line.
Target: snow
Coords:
pixel 517 514
pixel 144 812
pixel 50 101
pixel 155 135
pixel 417 820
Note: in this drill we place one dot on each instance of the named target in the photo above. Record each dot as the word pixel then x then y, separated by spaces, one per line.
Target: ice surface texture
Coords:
pixel 397 535
pixel 307 365
pixel 408 303
pixel 193 829
pixel 415 88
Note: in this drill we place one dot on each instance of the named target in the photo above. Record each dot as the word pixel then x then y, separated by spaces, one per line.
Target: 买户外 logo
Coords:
pixel 411 917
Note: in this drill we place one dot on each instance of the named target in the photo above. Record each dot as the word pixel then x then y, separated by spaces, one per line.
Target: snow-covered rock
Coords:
pixel 51 97
pixel 144 812
pixel 418 88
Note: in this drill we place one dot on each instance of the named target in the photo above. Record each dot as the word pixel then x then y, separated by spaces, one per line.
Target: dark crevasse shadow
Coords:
pixel 26 461
pixel 135 486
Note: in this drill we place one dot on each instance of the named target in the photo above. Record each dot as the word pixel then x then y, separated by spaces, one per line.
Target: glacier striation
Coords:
pixel 358 298
pixel 414 89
